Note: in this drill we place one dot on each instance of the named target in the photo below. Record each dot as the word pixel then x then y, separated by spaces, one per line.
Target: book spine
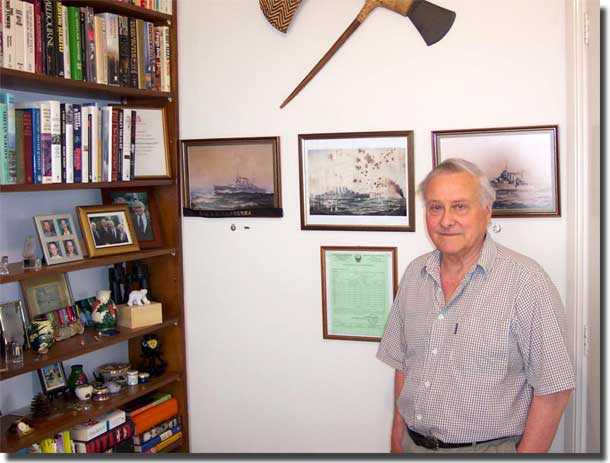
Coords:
pixel 76 64
pixel 18 35
pixel 8 33
pixel 19 149
pixel 28 146
pixel 161 445
pixel 1 36
pixel 67 61
pixel 124 50
pixel 29 58
pixel 141 50
pixel 157 440
pixel 48 28
pixel 38 38
pixel 126 146
pixel 133 53
pixel 158 429
pixel 106 143
pixel 3 143
pixel 11 170
pixel 149 47
pixel 55 141
pixel 69 143
pixel 59 39
pixel 157 34
pixel 119 144
pixel 36 146
pixel 78 143
pixel 100 49
pixel 62 134
pixel 90 60
pixel 132 142
pixel 91 145
pixel 114 157
pixel 83 43
pixel 112 48
pixel 45 143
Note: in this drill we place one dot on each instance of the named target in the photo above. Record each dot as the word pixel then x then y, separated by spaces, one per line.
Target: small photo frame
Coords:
pixel 58 238
pixel 357 181
pixel 358 289
pixel 107 229
pixel 53 378
pixel 12 324
pixel 46 293
pixel 232 177
pixel 143 210
pixel 522 164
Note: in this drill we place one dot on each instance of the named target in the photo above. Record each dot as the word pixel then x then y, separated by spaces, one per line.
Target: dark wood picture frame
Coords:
pixel 51 374
pixel 357 181
pixel 526 184
pixel 151 236
pixel 235 160
pixel 353 281
pixel 120 212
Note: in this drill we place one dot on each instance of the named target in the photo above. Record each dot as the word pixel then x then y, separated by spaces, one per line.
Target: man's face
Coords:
pixel 93 226
pixel 46 226
pixel 455 218
pixel 111 224
pixel 53 249
pixel 139 209
pixel 69 247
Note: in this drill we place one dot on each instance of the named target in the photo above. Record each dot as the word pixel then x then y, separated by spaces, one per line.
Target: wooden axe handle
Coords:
pixel 400 6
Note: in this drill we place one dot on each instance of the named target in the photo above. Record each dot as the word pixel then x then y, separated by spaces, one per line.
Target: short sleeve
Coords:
pixel 393 347
pixel 541 334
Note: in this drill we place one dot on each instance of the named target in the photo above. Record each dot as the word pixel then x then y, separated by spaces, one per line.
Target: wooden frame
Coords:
pixel 140 201
pixel 357 279
pixel 12 323
pixel 53 378
pixel 100 242
pixel 357 181
pixel 58 239
pixel 522 164
pixel 46 293
pixel 232 177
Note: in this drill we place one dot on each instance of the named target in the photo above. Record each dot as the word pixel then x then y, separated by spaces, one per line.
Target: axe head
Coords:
pixel 432 21
pixel 279 12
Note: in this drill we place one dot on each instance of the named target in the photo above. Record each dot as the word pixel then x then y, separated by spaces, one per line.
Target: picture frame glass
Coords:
pixel 58 238
pixel 357 181
pixel 520 163
pixel 46 293
pixel 112 229
pixel 12 323
pixel 53 378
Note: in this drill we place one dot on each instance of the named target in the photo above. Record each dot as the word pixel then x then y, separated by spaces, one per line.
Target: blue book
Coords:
pixel 36 145
pixel 156 440
pixel 8 163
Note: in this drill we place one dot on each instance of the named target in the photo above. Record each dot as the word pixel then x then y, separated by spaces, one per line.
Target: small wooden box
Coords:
pixel 137 316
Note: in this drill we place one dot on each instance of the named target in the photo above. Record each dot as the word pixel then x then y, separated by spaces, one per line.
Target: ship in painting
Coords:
pixel 510 181
pixel 241 185
pixel 341 193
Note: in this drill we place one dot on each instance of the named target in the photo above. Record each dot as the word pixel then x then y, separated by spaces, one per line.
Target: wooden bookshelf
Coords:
pixel 110 6
pixel 68 412
pixel 23 187
pixel 17 273
pixel 77 345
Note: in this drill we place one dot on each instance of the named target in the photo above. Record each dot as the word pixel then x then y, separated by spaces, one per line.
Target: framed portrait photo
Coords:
pixel 358 288
pixel 107 229
pixel 53 378
pixel 46 293
pixel 522 164
pixel 143 210
pixel 232 177
pixel 357 181
pixel 58 239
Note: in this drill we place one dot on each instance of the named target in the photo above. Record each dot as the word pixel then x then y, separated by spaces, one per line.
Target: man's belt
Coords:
pixel 432 443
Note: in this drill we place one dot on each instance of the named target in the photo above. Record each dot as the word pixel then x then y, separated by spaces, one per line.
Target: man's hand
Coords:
pixel 398 424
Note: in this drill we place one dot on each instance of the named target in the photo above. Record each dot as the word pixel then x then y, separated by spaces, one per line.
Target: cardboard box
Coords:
pixel 137 316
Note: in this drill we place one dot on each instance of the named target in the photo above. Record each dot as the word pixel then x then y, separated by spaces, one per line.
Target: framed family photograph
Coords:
pixel 357 181
pixel 522 164
pixel 58 238
pixel 53 378
pixel 358 288
pixel 107 229
pixel 12 324
pixel 232 177
pixel 46 293
pixel 143 210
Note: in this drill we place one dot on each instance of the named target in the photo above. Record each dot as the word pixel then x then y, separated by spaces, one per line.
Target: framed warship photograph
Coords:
pixel 232 177
pixel 357 181
pixel 522 164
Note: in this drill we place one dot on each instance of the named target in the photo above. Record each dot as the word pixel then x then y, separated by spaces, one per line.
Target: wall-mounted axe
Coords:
pixel 432 22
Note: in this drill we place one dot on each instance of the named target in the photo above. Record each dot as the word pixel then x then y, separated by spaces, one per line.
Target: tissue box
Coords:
pixel 137 316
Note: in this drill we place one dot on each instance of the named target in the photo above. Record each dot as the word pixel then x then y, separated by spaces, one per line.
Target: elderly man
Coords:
pixel 476 334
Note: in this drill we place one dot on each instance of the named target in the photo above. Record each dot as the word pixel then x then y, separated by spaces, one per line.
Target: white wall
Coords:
pixel 260 376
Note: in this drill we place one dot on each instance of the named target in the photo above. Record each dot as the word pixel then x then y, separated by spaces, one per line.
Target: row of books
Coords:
pixel 47 37
pixel 54 142
pixel 163 6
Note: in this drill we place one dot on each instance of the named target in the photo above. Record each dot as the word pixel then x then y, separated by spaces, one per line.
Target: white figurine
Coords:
pixel 138 297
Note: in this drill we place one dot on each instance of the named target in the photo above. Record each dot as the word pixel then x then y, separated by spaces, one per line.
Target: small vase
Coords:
pixel 77 377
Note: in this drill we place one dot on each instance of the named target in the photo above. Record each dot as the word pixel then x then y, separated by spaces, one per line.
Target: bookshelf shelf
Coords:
pixel 70 412
pixel 112 6
pixel 85 186
pixel 89 341
pixel 16 272
pixel 58 86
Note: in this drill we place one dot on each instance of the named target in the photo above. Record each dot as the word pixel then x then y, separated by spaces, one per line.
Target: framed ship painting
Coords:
pixel 232 177
pixel 522 164
pixel 357 181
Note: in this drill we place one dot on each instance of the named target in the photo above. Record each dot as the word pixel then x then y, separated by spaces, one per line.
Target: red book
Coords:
pixel 38 58
pixel 27 147
pixel 107 440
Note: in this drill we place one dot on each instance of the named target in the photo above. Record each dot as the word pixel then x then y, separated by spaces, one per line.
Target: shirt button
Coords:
pixel 418 417
pixel 434 351
pixel 440 317
pixel 427 384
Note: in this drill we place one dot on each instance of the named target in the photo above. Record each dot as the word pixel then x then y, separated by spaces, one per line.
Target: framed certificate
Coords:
pixel 358 288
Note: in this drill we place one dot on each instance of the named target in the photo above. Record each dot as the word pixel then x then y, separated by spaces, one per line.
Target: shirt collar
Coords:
pixel 485 262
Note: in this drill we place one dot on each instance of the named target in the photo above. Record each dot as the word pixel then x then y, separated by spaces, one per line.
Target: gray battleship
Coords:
pixel 341 193
pixel 510 181
pixel 241 185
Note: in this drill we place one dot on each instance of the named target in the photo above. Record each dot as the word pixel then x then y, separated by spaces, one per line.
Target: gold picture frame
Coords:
pixel 107 229
pixel 46 293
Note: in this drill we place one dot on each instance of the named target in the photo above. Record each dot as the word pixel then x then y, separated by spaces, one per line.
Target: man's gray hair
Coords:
pixel 456 166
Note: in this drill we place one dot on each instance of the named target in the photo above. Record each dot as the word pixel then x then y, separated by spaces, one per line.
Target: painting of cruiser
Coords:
pixel 232 177
pixel 357 181
pixel 520 162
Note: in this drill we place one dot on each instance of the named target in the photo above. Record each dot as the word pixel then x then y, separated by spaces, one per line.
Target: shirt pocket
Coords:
pixel 480 347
